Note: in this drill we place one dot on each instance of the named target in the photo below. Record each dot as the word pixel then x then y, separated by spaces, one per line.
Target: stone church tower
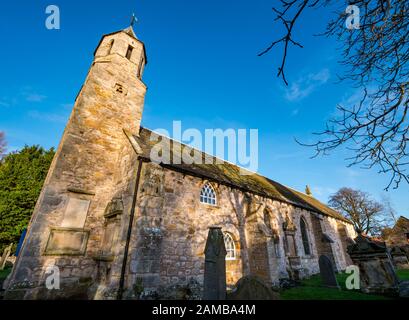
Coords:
pixel 94 165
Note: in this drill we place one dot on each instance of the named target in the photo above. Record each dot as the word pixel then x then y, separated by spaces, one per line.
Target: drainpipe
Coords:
pixel 128 237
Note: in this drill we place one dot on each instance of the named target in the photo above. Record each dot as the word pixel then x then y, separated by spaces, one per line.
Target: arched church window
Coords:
pixel 230 246
pixel 304 236
pixel 208 195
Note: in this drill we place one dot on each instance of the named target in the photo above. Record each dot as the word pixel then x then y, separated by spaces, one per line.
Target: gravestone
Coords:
pixel 376 272
pixel 252 288
pixel 327 272
pixel 215 266
pixel 6 254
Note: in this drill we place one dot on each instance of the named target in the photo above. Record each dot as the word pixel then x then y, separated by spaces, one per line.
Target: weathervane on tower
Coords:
pixel 134 20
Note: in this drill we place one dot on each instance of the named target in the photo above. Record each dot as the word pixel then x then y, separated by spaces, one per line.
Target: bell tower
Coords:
pixel 118 67
pixel 94 168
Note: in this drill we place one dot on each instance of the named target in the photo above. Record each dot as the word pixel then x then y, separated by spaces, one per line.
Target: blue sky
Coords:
pixel 203 70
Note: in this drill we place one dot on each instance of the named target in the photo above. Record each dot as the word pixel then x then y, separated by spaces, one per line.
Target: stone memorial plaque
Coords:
pixel 67 241
pixel 75 213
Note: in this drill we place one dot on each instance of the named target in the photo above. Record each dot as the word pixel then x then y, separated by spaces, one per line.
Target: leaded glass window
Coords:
pixel 208 195
pixel 230 246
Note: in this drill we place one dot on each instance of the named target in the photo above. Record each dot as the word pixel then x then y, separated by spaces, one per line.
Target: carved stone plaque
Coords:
pixel 67 241
pixel 75 213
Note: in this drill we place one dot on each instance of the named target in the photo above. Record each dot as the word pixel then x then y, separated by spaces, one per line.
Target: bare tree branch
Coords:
pixel 375 56
pixel 289 25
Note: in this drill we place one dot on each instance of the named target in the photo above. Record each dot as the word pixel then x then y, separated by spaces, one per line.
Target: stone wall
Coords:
pixel 323 241
pixel 169 235
pixel 331 228
pixel 171 227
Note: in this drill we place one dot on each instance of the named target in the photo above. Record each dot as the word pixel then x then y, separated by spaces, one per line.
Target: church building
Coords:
pixel 112 224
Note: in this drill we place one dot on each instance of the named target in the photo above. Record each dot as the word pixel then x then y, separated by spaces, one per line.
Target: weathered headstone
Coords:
pixel 215 266
pixel 252 288
pixel 327 272
pixel 6 254
pixel 376 272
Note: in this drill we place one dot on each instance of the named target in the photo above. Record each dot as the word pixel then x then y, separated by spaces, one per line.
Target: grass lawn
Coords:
pixel 403 274
pixel 311 289
pixel 4 273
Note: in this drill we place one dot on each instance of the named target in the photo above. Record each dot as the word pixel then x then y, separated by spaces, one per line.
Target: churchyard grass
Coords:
pixel 311 289
pixel 403 274
pixel 321 293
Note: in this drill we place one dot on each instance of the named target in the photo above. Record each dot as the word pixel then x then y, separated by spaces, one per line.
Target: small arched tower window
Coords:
pixel 304 236
pixel 110 46
pixel 208 195
pixel 129 52
pixel 230 246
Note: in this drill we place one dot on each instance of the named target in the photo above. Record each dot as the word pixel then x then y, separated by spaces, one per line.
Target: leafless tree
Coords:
pixel 366 214
pixel 375 56
pixel 2 144
pixel 390 212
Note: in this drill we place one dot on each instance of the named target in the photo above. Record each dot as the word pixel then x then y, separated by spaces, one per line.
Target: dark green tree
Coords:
pixel 22 175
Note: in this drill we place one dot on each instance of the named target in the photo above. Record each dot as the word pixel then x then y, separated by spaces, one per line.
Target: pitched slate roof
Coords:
pixel 229 174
